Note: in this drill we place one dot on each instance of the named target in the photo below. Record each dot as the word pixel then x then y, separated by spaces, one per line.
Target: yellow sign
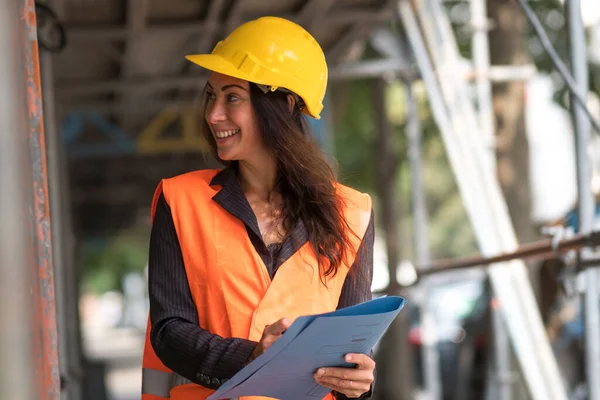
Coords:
pixel 152 140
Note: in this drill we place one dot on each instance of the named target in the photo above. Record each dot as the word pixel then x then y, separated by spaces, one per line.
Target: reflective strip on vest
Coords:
pixel 159 383
pixel 179 380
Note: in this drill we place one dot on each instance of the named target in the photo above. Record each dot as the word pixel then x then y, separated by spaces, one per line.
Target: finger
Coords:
pixel 350 389
pixel 362 361
pixel 345 383
pixel 353 374
pixel 276 328
pixel 339 373
pixel 279 327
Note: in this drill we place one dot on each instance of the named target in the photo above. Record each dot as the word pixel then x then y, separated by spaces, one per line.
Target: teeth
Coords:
pixel 224 134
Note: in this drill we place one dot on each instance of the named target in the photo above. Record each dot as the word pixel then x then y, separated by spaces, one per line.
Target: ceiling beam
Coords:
pixel 236 16
pixel 66 89
pixel 137 10
pixel 359 31
pixel 214 9
pixel 362 69
pixel 204 44
pixel 374 69
pixel 362 19
pixel 153 83
pixel 340 49
pixel 136 17
pixel 81 34
pixel 312 13
pixel 206 41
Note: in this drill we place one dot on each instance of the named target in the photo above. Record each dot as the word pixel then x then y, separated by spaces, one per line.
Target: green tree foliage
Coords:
pixel 107 262
pixel 355 133
pixel 552 15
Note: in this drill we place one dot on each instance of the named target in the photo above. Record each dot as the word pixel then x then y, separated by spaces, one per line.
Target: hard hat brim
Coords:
pixel 216 63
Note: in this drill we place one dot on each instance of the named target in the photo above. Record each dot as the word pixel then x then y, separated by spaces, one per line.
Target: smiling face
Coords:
pixel 231 118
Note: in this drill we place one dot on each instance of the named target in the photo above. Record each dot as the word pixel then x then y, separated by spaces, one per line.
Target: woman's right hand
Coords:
pixel 270 335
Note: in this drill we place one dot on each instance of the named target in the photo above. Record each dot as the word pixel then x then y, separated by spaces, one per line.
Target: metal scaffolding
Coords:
pixel 429 33
pixel 26 274
pixel 586 202
pixel 468 136
pixel 430 355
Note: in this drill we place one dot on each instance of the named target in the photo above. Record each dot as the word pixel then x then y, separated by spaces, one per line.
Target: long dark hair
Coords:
pixel 305 178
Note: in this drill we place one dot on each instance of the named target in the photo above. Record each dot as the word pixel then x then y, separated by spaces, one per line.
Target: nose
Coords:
pixel 215 112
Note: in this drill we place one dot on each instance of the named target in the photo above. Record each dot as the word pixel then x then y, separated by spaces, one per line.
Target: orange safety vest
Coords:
pixel 231 287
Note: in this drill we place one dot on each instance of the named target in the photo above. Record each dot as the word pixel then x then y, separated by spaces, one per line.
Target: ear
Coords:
pixel 291 102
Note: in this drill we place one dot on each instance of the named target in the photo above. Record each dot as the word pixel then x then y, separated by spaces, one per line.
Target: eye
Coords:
pixel 232 98
pixel 210 95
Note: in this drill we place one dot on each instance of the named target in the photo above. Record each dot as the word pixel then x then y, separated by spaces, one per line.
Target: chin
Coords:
pixel 227 156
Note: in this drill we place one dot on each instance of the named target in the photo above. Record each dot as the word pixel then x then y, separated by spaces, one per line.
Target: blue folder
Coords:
pixel 285 370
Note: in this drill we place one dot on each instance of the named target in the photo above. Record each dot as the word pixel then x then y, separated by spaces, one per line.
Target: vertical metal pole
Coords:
pixel 430 356
pixel 387 167
pixel 413 132
pixel 55 204
pixel 69 343
pixel 16 317
pixel 501 358
pixel 66 271
pixel 397 383
pixel 45 334
pixel 481 58
pixel 586 206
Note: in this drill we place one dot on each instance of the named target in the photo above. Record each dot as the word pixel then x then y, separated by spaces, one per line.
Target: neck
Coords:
pixel 258 177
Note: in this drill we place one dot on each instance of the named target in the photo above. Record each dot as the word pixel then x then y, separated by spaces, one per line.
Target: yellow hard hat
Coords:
pixel 275 53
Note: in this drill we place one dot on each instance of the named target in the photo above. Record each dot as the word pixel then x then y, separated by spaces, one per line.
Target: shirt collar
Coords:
pixel 231 197
pixel 223 177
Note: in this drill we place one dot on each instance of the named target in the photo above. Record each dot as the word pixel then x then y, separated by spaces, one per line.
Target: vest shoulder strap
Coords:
pixel 196 181
pixel 357 208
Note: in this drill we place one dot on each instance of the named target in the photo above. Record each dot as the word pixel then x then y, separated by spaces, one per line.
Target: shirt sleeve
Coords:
pixel 176 336
pixel 357 286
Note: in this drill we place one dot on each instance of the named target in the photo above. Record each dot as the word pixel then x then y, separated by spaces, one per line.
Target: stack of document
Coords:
pixel 285 370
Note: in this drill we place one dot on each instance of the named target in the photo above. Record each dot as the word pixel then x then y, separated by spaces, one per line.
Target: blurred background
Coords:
pixel 450 113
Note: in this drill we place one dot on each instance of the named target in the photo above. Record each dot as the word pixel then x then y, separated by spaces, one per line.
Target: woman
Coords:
pixel 237 254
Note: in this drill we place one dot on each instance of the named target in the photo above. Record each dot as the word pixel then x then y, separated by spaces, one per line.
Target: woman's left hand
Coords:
pixel 353 382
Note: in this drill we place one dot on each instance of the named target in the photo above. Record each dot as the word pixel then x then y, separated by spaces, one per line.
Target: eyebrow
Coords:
pixel 224 88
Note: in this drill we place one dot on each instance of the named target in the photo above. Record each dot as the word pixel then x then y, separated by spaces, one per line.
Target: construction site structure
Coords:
pixel 31 161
